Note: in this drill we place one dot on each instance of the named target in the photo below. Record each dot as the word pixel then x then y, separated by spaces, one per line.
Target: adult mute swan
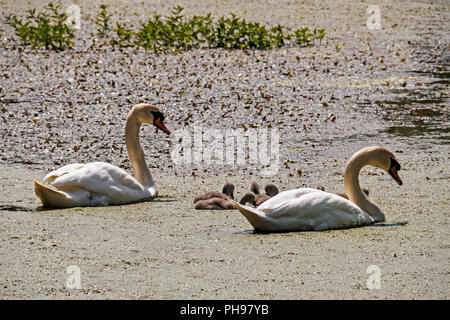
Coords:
pixel 100 183
pixel 312 209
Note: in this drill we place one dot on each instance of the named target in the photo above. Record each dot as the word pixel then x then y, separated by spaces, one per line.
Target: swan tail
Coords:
pixel 50 197
pixel 257 218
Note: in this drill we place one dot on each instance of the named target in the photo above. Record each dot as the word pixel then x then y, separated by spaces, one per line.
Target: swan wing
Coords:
pixel 284 197
pixel 98 183
pixel 73 167
pixel 317 210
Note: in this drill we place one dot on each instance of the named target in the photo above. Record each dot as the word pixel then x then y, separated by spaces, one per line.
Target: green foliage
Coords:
pixel 306 38
pixel 102 21
pixel 44 29
pixel 236 33
pixel 279 36
pixel 303 37
pixel 124 36
pixel 320 34
pixel 173 32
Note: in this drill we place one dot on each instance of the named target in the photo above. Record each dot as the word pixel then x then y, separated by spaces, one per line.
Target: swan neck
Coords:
pixel 140 169
pixel 353 189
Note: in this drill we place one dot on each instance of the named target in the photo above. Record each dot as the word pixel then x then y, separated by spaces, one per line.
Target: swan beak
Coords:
pixel 160 125
pixel 394 174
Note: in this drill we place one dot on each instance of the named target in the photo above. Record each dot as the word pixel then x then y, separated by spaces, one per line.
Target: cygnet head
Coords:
pixel 254 187
pixel 271 189
pixel 228 189
pixel 249 197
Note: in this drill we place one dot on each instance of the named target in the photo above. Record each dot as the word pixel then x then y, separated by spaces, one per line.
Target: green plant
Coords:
pixel 201 30
pixel 236 33
pixel 44 29
pixel 176 32
pixel 124 36
pixel 304 37
pixel 279 36
pixel 102 21
pixel 320 34
pixel 172 32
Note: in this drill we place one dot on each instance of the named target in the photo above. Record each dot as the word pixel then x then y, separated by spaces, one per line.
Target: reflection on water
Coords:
pixel 422 110
pixel 418 117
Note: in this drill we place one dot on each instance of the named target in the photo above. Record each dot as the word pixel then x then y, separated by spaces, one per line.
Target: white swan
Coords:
pixel 100 183
pixel 311 209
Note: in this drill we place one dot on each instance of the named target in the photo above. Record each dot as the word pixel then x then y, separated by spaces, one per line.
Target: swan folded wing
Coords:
pixel 318 211
pixel 51 176
pixel 105 182
pixel 284 197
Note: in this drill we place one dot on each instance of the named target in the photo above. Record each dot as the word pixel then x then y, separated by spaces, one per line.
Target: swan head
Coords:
pixel 384 159
pixel 147 113
pixel 249 197
pixel 228 189
pixel 271 189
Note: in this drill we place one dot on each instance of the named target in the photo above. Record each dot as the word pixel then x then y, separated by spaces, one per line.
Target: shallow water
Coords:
pixel 423 111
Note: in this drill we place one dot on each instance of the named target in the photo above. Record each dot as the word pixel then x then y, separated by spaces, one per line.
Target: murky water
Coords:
pixel 424 109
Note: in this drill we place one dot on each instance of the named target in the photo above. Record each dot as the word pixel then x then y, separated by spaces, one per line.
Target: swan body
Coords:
pixel 261 198
pixel 226 194
pixel 215 200
pixel 248 197
pixel 93 184
pixel 312 209
pixel 321 187
pixel 271 190
pixel 305 209
pixel 213 204
pixel 100 183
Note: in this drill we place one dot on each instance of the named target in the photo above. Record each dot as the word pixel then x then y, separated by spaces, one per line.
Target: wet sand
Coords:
pixel 164 249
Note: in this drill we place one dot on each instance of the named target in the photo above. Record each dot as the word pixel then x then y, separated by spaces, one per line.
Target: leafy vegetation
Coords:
pixel 124 36
pixel 169 33
pixel 102 22
pixel 46 29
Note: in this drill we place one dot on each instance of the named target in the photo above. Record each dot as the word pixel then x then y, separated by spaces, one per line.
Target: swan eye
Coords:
pixel 395 164
pixel 158 121
pixel 157 115
pixel 393 171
